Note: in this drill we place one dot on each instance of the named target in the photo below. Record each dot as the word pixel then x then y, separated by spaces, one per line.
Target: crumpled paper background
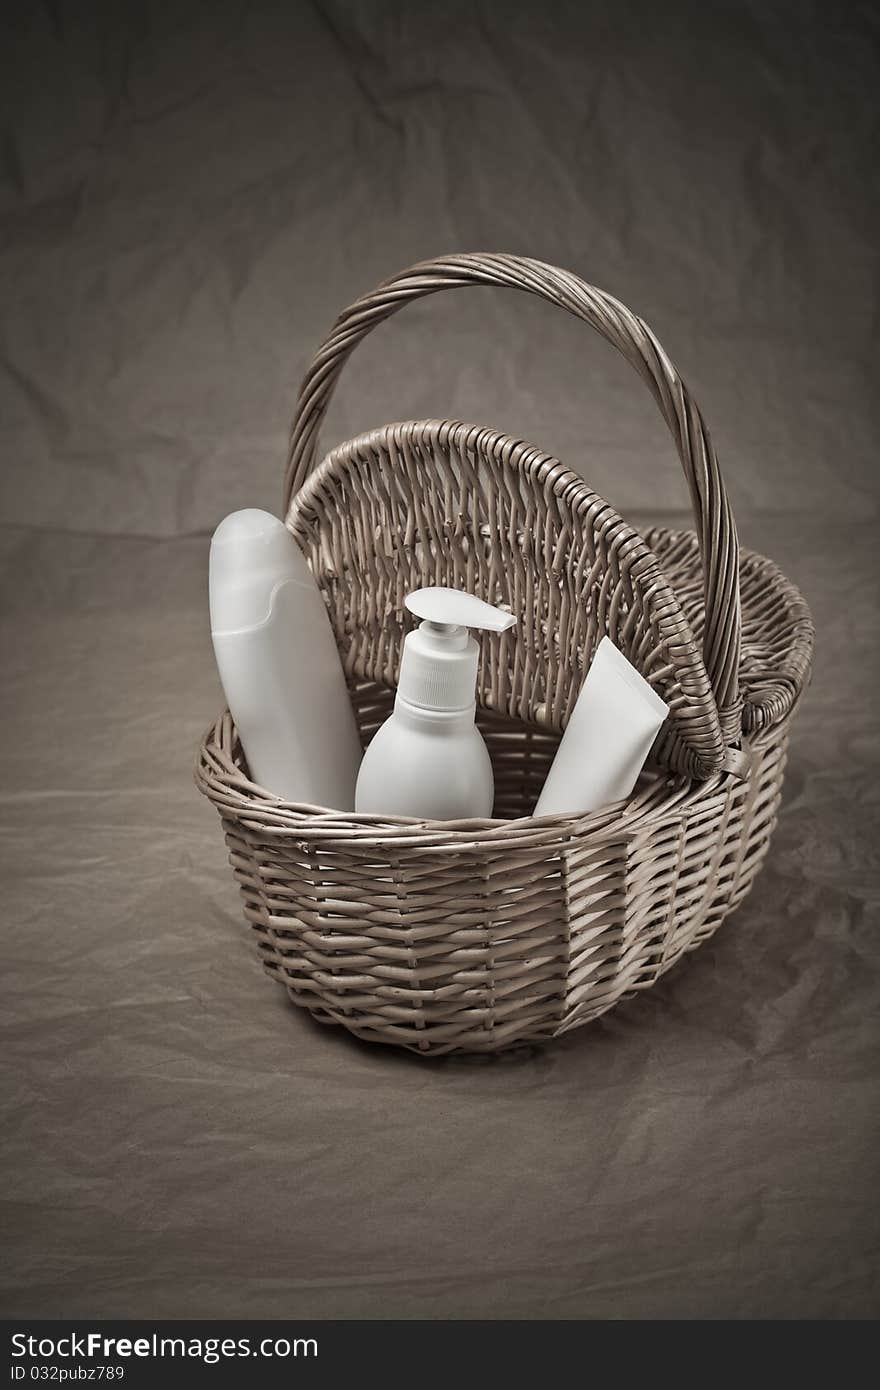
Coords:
pixel 189 196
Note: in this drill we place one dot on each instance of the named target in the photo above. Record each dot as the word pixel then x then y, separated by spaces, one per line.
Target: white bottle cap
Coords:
pixel 438 669
pixel 252 553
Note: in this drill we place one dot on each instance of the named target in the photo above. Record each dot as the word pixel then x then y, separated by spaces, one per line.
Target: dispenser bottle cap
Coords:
pixel 438 669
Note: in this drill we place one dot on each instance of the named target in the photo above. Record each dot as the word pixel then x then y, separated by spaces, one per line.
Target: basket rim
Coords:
pixel 219 777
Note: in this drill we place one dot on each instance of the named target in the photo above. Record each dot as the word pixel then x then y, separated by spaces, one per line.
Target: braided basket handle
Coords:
pixel 625 331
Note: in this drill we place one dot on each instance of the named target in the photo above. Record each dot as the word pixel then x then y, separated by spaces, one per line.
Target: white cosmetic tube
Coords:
pixel 615 720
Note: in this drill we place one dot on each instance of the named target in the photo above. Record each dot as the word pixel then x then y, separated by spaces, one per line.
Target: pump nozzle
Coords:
pixel 453 608
pixel 438 670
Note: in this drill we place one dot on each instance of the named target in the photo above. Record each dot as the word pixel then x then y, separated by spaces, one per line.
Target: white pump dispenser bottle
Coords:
pixel 429 759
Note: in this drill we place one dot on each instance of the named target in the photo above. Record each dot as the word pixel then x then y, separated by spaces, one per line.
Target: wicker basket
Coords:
pixel 474 936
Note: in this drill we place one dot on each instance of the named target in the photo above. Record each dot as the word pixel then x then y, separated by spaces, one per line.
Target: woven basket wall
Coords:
pixel 478 935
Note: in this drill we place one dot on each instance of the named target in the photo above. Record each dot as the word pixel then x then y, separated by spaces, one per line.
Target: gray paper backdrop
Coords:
pixel 188 196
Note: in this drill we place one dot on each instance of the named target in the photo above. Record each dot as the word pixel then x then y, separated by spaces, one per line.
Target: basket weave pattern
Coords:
pixel 477 935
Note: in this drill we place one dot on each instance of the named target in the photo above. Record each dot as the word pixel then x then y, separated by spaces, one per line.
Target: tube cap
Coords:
pixel 252 553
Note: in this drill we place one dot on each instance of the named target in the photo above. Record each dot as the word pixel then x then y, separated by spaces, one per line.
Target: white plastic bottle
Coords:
pixel 429 759
pixel 279 666
pixel 616 718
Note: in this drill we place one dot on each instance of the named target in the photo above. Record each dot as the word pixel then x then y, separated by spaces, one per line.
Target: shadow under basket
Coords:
pixel 477 935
